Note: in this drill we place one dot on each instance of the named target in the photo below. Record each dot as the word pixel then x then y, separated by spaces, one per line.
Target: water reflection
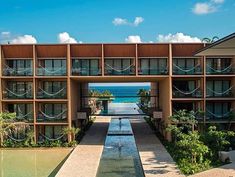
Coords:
pixel 31 163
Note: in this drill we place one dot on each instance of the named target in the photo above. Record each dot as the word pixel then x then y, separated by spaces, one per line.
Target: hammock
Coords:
pixel 221 93
pixel 52 94
pixel 19 95
pixel 219 71
pixel 52 139
pixel 54 117
pixel 22 70
pixel 51 71
pixel 186 70
pixel 17 140
pixel 119 70
pixel 186 93
pixel 220 116
pixel 22 117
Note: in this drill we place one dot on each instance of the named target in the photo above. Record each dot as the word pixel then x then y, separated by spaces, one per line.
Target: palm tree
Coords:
pixel 71 131
pixel 210 40
pixel 6 124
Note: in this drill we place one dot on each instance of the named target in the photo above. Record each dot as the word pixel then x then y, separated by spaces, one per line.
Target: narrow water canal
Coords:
pixel 120 157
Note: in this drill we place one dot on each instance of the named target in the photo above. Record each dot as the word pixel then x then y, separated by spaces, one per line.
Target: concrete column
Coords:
pixel 154 95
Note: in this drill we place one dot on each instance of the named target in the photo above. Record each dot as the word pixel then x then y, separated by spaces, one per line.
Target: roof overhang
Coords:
pixel 222 47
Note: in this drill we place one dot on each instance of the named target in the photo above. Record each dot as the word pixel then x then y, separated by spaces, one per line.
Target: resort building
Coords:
pixel 47 84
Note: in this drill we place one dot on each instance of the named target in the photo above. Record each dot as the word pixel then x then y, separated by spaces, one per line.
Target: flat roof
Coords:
pixel 224 46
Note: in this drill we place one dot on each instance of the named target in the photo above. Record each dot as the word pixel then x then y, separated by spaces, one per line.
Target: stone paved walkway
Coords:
pixel 84 160
pixel 155 159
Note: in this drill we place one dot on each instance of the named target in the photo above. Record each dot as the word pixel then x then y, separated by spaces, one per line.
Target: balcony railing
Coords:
pixel 18 95
pixel 86 71
pixel 60 94
pixel 226 70
pixel 46 117
pixel 213 93
pixel 158 71
pixel 51 71
pixel 195 93
pixel 195 70
pixel 17 71
pixel 109 70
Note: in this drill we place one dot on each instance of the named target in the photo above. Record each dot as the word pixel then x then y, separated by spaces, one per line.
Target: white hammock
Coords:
pixel 220 93
pixel 119 70
pixel 52 94
pixel 52 139
pixel 220 116
pixel 186 70
pixel 14 139
pixel 51 71
pixel 19 95
pixel 186 93
pixel 219 71
pixel 23 70
pixel 54 117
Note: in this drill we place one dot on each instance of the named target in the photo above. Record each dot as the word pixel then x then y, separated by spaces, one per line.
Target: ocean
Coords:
pixel 121 92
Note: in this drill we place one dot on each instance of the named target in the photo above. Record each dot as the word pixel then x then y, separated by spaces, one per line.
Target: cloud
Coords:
pixel 121 21
pixel 202 8
pixel 25 39
pixel 133 39
pixel 64 37
pixel 5 34
pixel 178 37
pixel 218 1
pixel 138 20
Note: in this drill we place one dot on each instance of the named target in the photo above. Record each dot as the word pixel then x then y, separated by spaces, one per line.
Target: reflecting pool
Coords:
pixel 31 163
pixel 120 157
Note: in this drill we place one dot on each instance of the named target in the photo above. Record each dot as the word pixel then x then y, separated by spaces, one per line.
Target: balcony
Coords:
pixel 194 70
pixel 153 66
pixel 24 112
pixel 191 93
pixel 51 71
pixel 52 117
pixel 86 71
pixel 218 71
pixel 24 117
pixel 213 93
pixel 211 115
pixel 116 67
pixel 187 66
pixel 57 94
pixel 20 94
pixel 219 66
pixel 8 71
pixel 86 67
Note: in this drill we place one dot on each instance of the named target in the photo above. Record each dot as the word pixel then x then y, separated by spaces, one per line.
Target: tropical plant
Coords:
pixel 182 121
pixel 217 140
pixel 210 40
pixel 144 97
pixel 6 124
pixel 71 132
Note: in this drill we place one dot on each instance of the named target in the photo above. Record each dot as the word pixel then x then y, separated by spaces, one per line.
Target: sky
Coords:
pixel 121 84
pixel 95 21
